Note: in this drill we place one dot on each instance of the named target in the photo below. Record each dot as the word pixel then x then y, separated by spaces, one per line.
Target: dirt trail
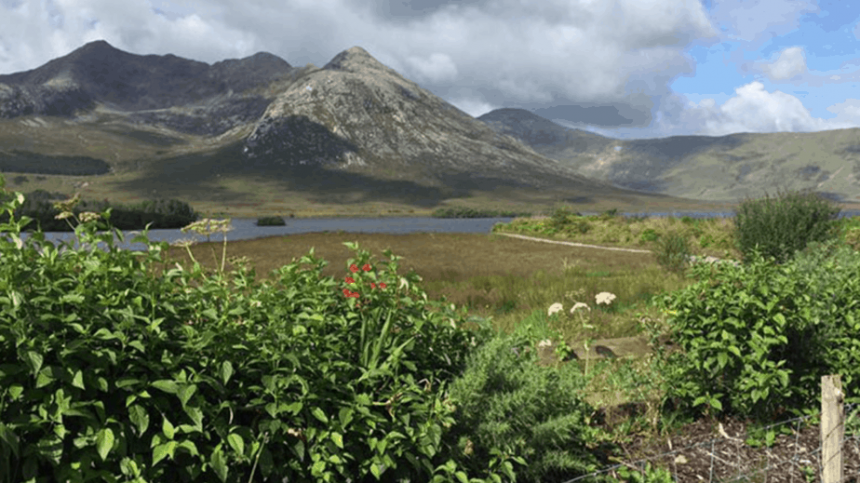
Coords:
pixel 621 347
pixel 691 258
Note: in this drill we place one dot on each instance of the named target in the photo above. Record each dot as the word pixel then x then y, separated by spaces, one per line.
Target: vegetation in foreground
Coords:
pixel 360 376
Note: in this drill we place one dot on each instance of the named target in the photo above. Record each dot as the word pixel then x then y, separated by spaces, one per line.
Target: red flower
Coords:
pixel 366 267
pixel 372 285
pixel 382 285
pixel 349 280
pixel 353 268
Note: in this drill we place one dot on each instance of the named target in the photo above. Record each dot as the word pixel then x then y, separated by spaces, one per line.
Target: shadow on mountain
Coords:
pixel 682 146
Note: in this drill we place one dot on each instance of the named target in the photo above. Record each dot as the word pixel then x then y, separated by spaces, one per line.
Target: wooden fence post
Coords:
pixel 832 428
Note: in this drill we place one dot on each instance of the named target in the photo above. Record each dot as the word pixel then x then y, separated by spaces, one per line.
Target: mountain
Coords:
pixel 154 89
pixel 356 112
pixel 721 168
pixel 258 131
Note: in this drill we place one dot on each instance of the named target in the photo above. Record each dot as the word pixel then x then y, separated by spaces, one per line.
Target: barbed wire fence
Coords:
pixel 827 458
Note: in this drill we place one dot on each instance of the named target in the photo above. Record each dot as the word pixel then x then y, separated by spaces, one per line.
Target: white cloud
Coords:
pixel 438 67
pixel 753 109
pixel 480 55
pixel 789 64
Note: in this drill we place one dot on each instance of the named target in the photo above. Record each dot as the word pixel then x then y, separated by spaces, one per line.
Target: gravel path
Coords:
pixel 691 258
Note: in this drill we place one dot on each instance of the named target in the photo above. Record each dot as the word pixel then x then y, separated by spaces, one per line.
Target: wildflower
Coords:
pixel 579 305
pixel 554 308
pixel 545 343
pixel 604 297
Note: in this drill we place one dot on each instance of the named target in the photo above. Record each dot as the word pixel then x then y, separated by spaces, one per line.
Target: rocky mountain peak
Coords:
pixel 358 114
pixel 354 59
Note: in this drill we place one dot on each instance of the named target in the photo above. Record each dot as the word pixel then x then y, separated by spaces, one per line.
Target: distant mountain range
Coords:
pixel 357 125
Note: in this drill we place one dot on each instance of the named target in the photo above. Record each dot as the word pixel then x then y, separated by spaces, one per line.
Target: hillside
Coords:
pixel 699 167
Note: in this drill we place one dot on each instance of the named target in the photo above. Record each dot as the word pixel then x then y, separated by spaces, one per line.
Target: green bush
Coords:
pixel 521 408
pixel 673 252
pixel 648 235
pixel 108 372
pixel 561 217
pixel 271 221
pixel 781 227
pixel 759 336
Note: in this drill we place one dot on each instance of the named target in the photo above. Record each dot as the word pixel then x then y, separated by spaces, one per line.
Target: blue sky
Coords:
pixel 625 69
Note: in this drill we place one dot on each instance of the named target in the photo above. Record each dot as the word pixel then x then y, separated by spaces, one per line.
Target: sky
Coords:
pixel 625 69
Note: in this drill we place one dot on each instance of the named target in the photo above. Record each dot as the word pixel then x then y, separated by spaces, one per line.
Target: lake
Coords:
pixel 245 228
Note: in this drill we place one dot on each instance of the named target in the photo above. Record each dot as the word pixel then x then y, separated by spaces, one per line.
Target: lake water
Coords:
pixel 245 228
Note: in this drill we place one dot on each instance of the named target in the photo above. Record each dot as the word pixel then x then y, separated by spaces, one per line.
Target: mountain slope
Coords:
pixel 721 168
pixel 155 87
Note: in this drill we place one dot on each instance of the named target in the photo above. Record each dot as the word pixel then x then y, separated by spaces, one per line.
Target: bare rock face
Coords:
pixel 355 113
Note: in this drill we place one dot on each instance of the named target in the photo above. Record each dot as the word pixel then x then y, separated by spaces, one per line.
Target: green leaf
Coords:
pixel 125 381
pixel 104 334
pixel 190 446
pixel 374 468
pixel 10 438
pixel 167 428
pixel 345 415
pixel 161 451
pixel 226 371
pixel 723 359
pixel 15 391
pixel 338 439
pixel 186 392
pixel 104 442
pixel 218 463
pixel 43 379
pixel 139 418
pixel 319 414
pixel 166 385
pixel 137 345
pixel 318 468
pixel 196 415
pixel 237 443
pixel 78 380
pixel 34 360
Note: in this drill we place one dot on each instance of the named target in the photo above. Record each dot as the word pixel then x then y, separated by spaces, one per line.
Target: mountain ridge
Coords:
pixel 707 168
pixel 353 131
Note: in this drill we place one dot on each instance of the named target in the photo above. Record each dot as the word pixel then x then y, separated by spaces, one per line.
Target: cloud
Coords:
pixel 438 67
pixel 604 66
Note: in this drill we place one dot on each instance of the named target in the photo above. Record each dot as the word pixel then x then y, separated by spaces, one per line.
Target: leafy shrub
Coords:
pixel 108 372
pixel 706 241
pixel 781 227
pixel 673 252
pixel 582 226
pixel 760 336
pixel 648 235
pixel 271 221
pixel 517 411
pixel 608 214
pixel 687 220
pixel 561 217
